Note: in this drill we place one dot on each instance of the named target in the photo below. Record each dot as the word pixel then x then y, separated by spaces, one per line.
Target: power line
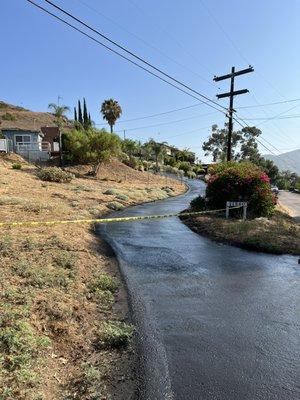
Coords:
pixel 272 118
pixel 237 49
pixel 277 116
pixel 165 123
pixel 280 134
pixel 196 105
pixel 172 37
pixel 158 114
pixel 267 148
pixel 119 54
pixel 268 104
pixel 189 132
pixel 143 41
pixel 134 55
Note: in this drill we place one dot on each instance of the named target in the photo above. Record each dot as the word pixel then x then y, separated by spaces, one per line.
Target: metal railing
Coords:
pixel 33 146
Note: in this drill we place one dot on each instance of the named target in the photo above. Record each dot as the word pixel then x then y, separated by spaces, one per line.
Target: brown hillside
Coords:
pixel 58 320
pixel 14 117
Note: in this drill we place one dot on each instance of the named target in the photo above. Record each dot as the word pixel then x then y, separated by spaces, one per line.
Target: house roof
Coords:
pixel 23 131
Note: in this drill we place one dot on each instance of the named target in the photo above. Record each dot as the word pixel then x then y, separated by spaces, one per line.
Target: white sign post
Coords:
pixel 236 204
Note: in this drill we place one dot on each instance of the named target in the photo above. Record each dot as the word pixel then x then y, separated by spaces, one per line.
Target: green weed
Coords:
pixel 104 282
pixel 5 245
pixel 65 259
pixel 114 335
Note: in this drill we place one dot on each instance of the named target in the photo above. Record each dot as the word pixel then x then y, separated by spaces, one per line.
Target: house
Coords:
pixel 51 135
pixel 27 143
pixel 170 150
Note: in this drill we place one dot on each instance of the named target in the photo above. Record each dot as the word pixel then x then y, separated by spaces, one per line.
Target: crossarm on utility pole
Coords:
pixel 231 95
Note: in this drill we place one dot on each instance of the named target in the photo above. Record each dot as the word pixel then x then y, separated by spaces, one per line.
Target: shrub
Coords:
pixel 17 166
pixel 114 335
pixel 198 204
pixel 111 191
pixel 115 205
pixel 191 174
pixel 122 197
pixel 54 174
pixel 169 169
pixel 91 146
pixel 169 190
pixel 240 182
pixel 184 166
pixel 131 162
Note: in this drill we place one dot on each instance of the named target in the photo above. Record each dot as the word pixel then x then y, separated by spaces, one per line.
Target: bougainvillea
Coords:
pixel 242 181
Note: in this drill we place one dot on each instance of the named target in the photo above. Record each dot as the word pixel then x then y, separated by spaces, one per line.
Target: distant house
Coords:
pixel 170 150
pixel 27 143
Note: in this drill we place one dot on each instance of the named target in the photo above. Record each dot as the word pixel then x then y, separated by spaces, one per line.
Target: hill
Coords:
pixel 18 117
pixel 287 161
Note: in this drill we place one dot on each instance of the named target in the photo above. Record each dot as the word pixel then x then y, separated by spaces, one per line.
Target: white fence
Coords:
pixel 31 151
pixel 3 145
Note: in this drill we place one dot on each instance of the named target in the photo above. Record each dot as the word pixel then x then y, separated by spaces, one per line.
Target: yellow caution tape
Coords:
pixel 104 220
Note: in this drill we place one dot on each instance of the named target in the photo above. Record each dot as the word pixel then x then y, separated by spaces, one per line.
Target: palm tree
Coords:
pixel 111 111
pixel 159 151
pixel 129 147
pixel 59 114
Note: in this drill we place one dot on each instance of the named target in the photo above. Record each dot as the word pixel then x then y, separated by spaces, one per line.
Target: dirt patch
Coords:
pixel 65 328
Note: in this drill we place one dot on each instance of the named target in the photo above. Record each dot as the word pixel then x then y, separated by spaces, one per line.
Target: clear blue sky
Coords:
pixel 41 59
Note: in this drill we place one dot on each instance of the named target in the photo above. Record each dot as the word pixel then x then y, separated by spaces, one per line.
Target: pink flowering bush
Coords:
pixel 244 181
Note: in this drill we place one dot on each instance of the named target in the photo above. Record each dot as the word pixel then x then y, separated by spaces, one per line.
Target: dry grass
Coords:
pixel 278 235
pixel 63 307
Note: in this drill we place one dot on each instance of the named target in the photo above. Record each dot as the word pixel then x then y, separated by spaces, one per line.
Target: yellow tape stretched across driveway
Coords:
pixel 103 220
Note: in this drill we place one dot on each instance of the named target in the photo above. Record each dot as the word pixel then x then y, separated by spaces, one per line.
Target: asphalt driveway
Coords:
pixel 213 322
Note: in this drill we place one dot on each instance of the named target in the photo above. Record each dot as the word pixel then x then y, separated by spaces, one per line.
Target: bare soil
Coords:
pixel 51 318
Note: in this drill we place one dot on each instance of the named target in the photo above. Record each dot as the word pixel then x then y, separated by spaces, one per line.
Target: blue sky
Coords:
pixel 192 40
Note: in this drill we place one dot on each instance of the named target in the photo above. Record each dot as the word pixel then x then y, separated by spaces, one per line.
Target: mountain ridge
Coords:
pixel 286 161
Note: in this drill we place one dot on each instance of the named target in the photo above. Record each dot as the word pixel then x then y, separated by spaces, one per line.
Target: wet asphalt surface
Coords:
pixel 213 321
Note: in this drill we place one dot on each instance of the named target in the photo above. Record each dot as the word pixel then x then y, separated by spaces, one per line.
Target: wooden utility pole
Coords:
pixel 231 95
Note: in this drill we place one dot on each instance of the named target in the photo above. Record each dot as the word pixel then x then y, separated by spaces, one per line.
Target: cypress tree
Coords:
pixel 85 115
pixel 75 114
pixel 80 120
pixel 90 121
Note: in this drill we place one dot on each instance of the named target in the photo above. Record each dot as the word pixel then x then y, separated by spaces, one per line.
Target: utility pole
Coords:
pixel 231 95
pixel 124 132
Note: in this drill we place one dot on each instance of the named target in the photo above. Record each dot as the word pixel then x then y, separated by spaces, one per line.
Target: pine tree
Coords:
pixel 75 114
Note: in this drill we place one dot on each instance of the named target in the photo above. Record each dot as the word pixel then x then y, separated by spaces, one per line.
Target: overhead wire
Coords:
pixel 96 11
pixel 132 54
pixel 172 37
pixel 119 54
pixel 262 144
pixel 165 123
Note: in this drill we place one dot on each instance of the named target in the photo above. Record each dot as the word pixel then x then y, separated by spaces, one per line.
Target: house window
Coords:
pixel 22 138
